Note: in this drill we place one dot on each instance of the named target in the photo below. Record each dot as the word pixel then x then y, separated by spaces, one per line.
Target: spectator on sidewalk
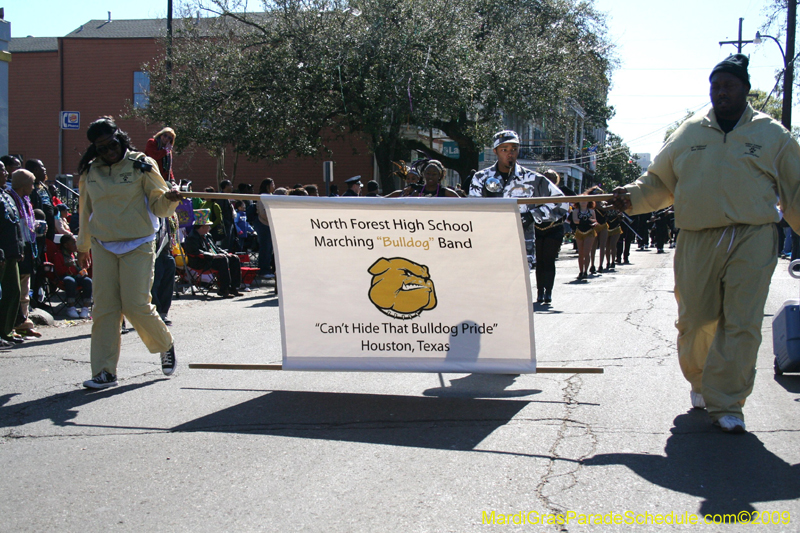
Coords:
pixel 74 278
pixel 159 148
pixel 203 254
pixel 22 183
pixel 12 247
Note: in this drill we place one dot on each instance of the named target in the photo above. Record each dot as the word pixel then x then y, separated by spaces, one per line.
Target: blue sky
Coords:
pixel 665 49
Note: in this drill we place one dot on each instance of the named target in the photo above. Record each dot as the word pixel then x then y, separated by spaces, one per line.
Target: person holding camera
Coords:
pixel 508 179
pixel 122 194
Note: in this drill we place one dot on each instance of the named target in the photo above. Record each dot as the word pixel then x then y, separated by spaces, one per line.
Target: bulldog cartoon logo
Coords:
pixel 401 288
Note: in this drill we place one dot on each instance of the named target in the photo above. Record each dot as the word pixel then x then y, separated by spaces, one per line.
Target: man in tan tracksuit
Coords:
pixel 121 194
pixel 724 172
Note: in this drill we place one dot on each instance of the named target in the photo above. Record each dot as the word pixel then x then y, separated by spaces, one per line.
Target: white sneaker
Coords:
pixel 84 312
pixel 698 402
pixel 72 313
pixel 731 424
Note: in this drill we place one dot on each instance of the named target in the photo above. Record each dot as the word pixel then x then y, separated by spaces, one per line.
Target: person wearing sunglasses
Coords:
pixel 121 196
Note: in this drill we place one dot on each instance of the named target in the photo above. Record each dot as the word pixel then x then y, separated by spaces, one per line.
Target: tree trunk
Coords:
pixel 386 151
pixel 235 164
pixel 220 165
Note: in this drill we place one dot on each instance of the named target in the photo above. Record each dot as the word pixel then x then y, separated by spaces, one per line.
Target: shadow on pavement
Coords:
pixel 481 386
pixel 730 472
pixel 269 301
pixel 440 423
pixel 59 408
pixel 45 342
pixel 790 382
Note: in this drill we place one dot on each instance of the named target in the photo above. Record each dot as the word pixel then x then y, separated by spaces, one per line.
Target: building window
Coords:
pixel 141 90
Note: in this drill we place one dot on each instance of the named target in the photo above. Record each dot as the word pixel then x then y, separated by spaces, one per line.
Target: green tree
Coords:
pixel 288 78
pixel 677 124
pixel 616 165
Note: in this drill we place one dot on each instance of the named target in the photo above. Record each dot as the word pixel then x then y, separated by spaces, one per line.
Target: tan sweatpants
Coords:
pixel 122 285
pixel 722 278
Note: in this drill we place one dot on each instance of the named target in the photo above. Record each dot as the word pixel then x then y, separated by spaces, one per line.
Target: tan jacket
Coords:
pixel 112 201
pixel 717 179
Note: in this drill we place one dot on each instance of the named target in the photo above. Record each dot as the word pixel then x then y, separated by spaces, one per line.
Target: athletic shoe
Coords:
pixel 731 424
pixel 84 312
pixel 168 361
pixel 72 312
pixel 4 344
pixel 698 402
pixel 103 380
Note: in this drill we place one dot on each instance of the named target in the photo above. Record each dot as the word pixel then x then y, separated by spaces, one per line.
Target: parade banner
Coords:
pixel 418 285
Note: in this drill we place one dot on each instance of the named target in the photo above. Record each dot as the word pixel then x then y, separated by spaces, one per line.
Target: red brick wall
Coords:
pixel 98 80
pixel 33 107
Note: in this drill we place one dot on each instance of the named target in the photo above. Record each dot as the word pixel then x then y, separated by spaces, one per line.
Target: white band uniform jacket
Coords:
pixel 524 183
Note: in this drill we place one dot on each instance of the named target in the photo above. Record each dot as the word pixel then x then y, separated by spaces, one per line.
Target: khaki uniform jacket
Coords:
pixel 112 201
pixel 717 179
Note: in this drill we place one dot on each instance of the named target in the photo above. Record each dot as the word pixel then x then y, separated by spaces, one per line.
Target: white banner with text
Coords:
pixel 417 285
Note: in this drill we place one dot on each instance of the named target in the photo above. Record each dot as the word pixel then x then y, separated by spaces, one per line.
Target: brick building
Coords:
pixel 97 70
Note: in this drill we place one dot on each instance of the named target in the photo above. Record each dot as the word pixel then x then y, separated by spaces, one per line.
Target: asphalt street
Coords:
pixel 210 450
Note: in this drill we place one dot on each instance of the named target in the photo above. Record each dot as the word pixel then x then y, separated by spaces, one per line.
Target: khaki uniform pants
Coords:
pixel 722 278
pixel 122 286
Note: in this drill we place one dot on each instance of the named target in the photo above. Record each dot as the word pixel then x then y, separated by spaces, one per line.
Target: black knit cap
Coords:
pixel 735 64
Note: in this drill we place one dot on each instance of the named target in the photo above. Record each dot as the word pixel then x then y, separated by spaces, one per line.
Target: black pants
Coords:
pixel 661 235
pixel 624 244
pixel 643 229
pixel 9 302
pixel 229 272
pixel 548 243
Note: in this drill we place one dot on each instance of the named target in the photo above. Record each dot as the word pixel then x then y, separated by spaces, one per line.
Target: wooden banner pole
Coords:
pixel 539 369
pixel 539 200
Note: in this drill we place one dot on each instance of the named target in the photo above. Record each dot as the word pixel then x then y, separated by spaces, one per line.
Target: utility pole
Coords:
pixel 169 39
pixel 788 76
pixel 739 43
pixel 788 62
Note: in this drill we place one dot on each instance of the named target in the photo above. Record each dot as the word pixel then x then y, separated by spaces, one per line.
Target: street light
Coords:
pixel 788 79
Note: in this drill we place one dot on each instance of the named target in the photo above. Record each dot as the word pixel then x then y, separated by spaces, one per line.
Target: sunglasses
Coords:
pixel 105 148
